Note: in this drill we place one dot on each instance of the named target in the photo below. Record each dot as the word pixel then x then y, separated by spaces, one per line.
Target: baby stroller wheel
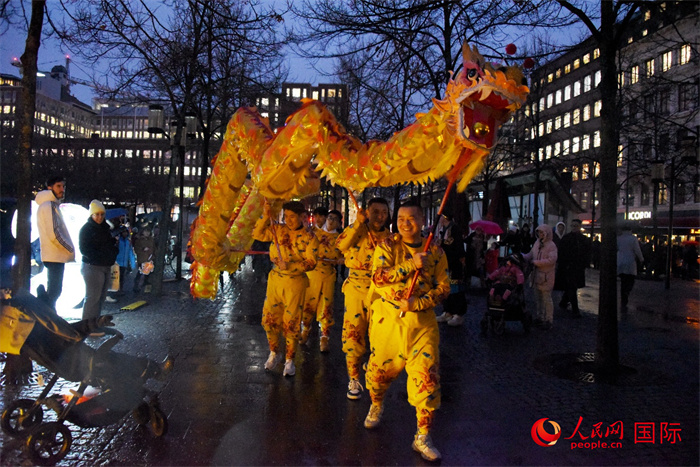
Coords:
pixel 159 422
pixel 20 417
pixel 49 443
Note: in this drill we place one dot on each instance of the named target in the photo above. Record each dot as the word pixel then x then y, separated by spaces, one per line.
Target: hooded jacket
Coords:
pixel 97 245
pixel 56 244
pixel 544 257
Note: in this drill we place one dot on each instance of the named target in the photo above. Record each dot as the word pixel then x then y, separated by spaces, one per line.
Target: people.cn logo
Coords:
pixel 541 436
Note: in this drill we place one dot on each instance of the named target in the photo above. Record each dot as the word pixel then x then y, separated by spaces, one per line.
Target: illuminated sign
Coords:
pixel 637 215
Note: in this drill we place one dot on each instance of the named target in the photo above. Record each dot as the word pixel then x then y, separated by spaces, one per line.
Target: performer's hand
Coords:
pixel 362 216
pixel 266 210
pixel 418 259
pixel 407 305
pixel 282 265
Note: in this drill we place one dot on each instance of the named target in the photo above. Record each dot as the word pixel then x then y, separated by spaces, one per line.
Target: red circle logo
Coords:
pixel 541 436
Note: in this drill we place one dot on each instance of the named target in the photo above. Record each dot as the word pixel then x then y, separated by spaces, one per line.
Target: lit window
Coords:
pixel 558 73
pixel 575 144
pixel 557 122
pixel 534 108
pixel 649 68
pixel 540 154
pixel 549 126
pixel 586 112
pixel 557 97
pixel 296 92
pixel 587 83
pixel 577 63
pixel 548 151
pixel 685 54
pixel 557 149
pixel 634 75
pixel 567 92
pixel 567 68
pixel 542 106
pixel 586 58
pixel 264 101
pixel 576 117
pixel 584 171
pixel 645 32
pixel 598 77
pixel 314 95
pixel 666 61
pixel 550 77
pixel 331 93
pixel 574 173
pixel 647 15
pixel 630 40
pixel 596 53
pixel 565 147
pixel 586 142
pixel 550 101
pixel 567 120
pixel 532 133
pixel 541 129
pixel 596 139
pixel 340 93
pixel 596 108
pixel 577 88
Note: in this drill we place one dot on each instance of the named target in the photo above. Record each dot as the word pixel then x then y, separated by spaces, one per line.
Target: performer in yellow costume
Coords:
pixel 319 295
pixel 357 244
pixel 293 252
pixel 411 341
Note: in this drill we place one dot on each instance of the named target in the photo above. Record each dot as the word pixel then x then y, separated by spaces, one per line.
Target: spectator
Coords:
pixel 526 238
pixel 56 245
pixel 628 255
pixel 506 278
pixel 145 248
pixel 543 256
pixel 559 231
pixel 99 250
pixel 595 252
pixel 476 247
pixel 491 258
pixel 450 239
pixel 573 259
pixel 125 258
pixel 512 240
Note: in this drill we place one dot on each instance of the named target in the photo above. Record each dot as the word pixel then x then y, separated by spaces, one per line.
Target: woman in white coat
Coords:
pixel 628 255
pixel 543 256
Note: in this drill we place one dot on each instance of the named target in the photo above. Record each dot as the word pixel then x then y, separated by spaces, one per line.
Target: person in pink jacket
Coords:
pixel 543 256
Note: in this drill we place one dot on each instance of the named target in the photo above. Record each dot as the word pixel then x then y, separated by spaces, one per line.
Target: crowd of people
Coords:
pixel 393 282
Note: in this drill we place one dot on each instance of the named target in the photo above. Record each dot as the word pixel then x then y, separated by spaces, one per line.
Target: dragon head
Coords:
pixel 482 98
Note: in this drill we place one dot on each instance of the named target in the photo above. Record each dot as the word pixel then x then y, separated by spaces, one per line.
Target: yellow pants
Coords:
pixel 355 323
pixel 282 310
pixel 411 342
pixel 319 300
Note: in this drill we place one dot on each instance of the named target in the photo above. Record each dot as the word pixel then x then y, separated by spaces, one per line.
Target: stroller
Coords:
pixel 111 383
pixel 506 301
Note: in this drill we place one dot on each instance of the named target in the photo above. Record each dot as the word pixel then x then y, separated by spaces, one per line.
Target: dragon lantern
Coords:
pixel 453 139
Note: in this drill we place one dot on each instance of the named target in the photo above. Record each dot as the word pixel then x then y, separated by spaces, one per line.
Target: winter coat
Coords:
pixel 628 253
pixel 126 257
pixel 145 248
pixel 56 244
pixel 574 256
pixel 97 245
pixel 544 257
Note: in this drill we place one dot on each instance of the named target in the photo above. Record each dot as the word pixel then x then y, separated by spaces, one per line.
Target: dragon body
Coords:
pixel 254 163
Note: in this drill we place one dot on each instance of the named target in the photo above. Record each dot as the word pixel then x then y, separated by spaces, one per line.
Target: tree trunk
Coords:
pixel 607 347
pixel 18 367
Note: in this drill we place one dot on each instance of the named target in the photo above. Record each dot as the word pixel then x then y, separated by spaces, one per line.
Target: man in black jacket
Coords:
pixel 573 259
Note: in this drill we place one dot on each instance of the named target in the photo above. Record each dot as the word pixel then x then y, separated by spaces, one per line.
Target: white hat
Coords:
pixel 96 206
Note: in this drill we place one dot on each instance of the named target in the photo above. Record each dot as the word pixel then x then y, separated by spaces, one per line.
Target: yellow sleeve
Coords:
pixel 262 231
pixel 441 282
pixel 350 236
pixel 384 269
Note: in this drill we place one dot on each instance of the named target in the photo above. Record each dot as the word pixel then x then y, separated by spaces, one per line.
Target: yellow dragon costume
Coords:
pixel 453 138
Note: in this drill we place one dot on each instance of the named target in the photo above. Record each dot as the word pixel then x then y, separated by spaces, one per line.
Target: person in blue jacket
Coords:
pixel 125 258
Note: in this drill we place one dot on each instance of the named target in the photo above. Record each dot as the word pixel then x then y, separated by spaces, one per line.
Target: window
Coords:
pixel 596 53
pixel 586 142
pixel 634 75
pixel 567 68
pixel 549 126
pixel 558 73
pixel 557 97
pixel 587 83
pixel 586 58
pixel 565 147
pixel 550 77
pixel 630 40
pixel 649 68
pixel 548 151
pixel 540 129
pixel 667 61
pixel 576 117
pixel 647 15
pixel 687 96
pixel 574 173
pixel 586 112
pixel 664 100
pixel 567 120
pixel 598 77
pixel 314 95
pixel 596 108
pixel 645 32
pixel 645 197
pixel 596 139
pixel 584 199
pixel 296 92
pixel 557 122
pixel 542 106
pixel 331 93
pixel 532 133
pixel 557 149
pixel 567 92
pixel 541 154
pixel 621 80
pixel 685 54
pixel 534 108
pixel 584 172
pixel 577 63
pixel 649 107
pixel 575 144
pixel 550 101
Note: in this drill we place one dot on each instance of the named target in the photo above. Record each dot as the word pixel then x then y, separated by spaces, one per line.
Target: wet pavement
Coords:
pixel 225 409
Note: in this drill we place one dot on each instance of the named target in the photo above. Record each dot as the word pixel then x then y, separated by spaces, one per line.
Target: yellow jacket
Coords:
pixel 357 247
pixel 299 248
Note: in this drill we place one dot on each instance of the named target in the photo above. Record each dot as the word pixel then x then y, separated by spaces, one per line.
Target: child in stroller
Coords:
pixel 30 327
pixel 505 301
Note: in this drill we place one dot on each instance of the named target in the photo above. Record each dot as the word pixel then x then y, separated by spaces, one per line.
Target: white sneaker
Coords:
pixel 374 416
pixel 424 445
pixel 272 361
pixel 443 318
pixel 354 389
pixel 110 300
pixel 289 368
pixel 456 320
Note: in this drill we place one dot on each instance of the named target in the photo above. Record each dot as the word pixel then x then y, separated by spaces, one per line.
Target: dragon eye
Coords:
pixel 471 74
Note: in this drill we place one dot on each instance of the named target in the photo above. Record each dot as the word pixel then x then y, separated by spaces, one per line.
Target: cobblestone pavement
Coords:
pixel 225 409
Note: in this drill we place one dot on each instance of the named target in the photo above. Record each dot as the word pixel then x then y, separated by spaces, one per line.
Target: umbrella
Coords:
pixel 116 212
pixel 489 228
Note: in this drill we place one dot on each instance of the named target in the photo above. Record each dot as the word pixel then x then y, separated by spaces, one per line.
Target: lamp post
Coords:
pixel 156 123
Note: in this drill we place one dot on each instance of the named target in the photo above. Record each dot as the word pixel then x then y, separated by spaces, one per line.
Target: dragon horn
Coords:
pixel 470 55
